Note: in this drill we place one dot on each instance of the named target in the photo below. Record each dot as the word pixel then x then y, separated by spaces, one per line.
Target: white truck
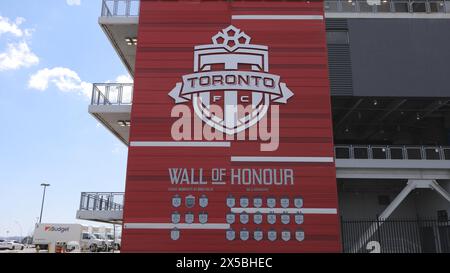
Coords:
pixel 114 242
pixel 48 236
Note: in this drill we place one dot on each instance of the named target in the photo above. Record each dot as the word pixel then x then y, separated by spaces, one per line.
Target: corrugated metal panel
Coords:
pixel 340 65
pixel 336 24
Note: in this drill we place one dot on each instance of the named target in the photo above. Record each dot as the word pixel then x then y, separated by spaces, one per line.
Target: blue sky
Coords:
pixel 49 53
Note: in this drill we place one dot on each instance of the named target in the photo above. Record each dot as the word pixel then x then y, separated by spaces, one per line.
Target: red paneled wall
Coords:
pixel 168 33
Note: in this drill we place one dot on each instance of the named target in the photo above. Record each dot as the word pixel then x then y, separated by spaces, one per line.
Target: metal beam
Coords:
pixel 349 112
pixel 393 106
pixel 428 110
pixel 434 107
pixel 435 186
pixel 397 200
pixel 410 186
pixel 410 119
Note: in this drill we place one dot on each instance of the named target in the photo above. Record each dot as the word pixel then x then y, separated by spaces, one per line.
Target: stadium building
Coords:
pixel 348 101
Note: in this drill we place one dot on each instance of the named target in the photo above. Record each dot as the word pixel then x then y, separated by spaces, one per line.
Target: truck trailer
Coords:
pixel 49 236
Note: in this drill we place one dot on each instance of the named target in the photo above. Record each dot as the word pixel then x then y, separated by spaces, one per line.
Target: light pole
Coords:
pixel 43 198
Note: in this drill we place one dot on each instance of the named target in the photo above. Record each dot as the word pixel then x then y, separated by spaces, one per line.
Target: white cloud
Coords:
pixel 7 26
pixel 64 79
pixel 125 78
pixel 17 55
pixel 73 2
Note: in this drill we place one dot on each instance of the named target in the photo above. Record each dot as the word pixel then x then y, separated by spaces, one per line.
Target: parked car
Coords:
pixel 73 247
pixel 113 242
pixel 104 245
pixel 14 245
pixel 93 243
pixel 3 244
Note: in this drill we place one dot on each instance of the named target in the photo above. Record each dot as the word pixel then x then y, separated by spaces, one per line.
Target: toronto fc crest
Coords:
pixel 230 73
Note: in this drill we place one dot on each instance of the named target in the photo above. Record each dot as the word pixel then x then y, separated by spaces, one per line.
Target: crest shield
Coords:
pixel 176 201
pixel 203 201
pixel 175 234
pixel 258 235
pixel 231 235
pixel 299 218
pixel 257 202
pixel 286 235
pixel 271 202
pixel 231 202
pixel 176 217
pixel 231 218
pixel 189 218
pixel 298 202
pixel 244 202
pixel 244 68
pixel 271 218
pixel 243 218
pixel 244 234
pixel 300 235
pixel 285 218
pixel 272 235
pixel 284 202
pixel 190 201
pixel 257 218
pixel 203 218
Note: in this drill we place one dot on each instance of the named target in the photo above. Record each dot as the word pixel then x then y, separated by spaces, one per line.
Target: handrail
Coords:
pixel 101 201
pixel 112 94
pixel 130 8
pixel 389 6
pixel 120 8
pixel 388 152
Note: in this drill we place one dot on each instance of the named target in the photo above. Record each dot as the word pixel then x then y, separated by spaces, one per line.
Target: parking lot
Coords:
pixel 33 250
pixel 25 250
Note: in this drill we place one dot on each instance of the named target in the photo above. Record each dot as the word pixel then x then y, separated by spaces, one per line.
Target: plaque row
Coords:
pixel 271 235
pixel 271 202
pixel 271 218
pixel 257 235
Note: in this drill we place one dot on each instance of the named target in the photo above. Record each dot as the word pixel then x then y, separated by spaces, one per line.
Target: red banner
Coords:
pixel 231 144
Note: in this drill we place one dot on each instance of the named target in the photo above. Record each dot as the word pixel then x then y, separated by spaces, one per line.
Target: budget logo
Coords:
pixel 231 75
pixel 56 229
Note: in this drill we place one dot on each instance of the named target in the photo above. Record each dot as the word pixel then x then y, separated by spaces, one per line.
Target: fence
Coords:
pixel 120 8
pixel 389 6
pixel 130 8
pixel 112 94
pixel 396 236
pixel 101 201
pixel 392 152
